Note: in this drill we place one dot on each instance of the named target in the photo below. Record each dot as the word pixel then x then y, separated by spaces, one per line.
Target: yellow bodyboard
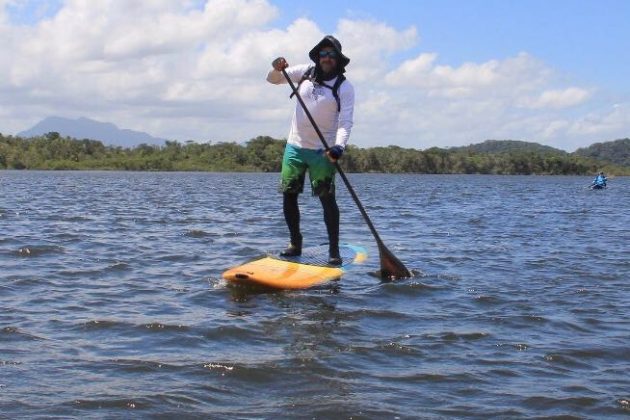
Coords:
pixel 301 272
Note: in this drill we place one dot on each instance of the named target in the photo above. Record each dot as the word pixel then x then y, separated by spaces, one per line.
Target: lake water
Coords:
pixel 112 303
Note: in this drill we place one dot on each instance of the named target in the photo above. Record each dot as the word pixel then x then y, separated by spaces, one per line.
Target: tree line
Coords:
pixel 617 151
pixel 264 154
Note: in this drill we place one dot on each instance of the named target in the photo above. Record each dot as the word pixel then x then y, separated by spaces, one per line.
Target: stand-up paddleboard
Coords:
pixel 309 269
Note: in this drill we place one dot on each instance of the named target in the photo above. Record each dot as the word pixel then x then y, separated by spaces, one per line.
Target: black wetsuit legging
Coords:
pixel 331 217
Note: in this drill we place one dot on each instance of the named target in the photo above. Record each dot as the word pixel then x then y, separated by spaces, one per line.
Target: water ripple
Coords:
pixel 112 303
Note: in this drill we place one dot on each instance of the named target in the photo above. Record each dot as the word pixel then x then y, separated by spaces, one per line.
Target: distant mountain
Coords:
pixel 507 146
pixel 85 128
pixel 617 151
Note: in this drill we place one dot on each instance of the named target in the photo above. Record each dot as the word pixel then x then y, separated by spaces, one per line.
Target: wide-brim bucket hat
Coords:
pixel 329 41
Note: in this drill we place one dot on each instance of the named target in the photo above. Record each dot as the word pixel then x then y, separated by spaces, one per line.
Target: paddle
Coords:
pixel 391 267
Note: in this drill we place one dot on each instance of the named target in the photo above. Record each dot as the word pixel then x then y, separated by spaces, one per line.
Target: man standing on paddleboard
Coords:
pixel 329 98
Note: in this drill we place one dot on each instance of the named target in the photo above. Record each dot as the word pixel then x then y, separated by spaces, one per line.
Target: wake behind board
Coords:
pixel 309 269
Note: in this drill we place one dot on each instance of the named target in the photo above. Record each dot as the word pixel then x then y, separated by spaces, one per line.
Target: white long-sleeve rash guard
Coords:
pixel 335 126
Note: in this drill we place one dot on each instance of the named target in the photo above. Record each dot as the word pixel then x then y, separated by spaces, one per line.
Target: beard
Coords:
pixel 322 75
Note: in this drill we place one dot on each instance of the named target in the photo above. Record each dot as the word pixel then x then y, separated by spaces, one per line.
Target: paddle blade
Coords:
pixel 391 267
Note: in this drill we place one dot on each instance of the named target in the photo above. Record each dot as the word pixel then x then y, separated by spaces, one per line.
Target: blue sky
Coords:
pixel 29 12
pixel 588 40
pixel 427 73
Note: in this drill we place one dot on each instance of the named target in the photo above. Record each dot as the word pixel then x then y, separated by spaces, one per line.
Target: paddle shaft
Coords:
pixel 384 252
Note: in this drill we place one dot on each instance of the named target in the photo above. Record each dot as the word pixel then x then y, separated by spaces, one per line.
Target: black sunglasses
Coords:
pixel 331 54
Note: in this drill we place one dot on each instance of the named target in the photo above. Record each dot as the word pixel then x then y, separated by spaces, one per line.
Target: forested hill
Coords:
pixel 264 154
pixel 617 151
pixel 509 146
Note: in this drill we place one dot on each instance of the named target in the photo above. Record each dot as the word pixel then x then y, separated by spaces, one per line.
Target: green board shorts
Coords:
pixel 295 163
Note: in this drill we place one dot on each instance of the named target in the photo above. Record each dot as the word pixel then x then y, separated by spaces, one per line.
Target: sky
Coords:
pixel 426 73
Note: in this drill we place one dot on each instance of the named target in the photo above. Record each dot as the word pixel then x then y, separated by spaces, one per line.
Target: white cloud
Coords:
pixel 508 78
pixel 554 127
pixel 99 56
pixel 3 13
pixel 188 71
pixel 370 45
pixel 614 121
pixel 475 101
pixel 557 98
